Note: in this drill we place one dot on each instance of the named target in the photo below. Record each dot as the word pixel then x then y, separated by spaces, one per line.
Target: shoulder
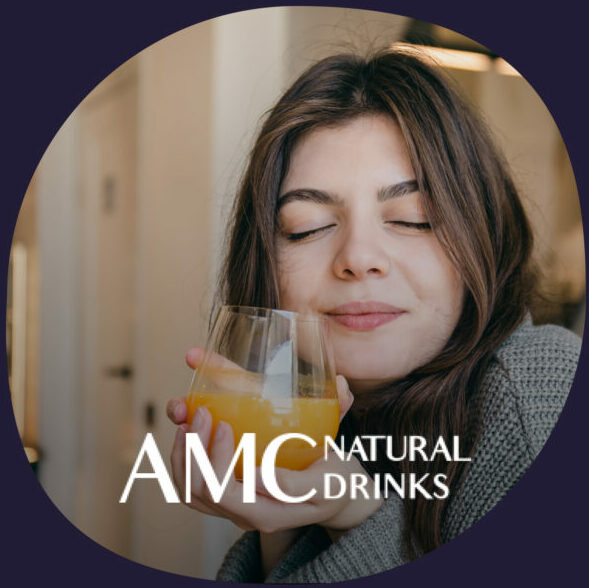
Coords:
pixel 528 381
pixel 530 377
pixel 544 354
pixel 520 400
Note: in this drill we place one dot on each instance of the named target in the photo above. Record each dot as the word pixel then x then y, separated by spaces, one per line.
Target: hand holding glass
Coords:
pixel 269 372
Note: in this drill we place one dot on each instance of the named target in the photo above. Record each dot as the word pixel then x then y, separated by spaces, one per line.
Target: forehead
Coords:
pixel 366 148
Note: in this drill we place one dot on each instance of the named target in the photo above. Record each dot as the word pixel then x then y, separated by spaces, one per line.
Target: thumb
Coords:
pixel 344 396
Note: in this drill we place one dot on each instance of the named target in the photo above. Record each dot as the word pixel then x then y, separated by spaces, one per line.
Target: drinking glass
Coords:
pixel 269 372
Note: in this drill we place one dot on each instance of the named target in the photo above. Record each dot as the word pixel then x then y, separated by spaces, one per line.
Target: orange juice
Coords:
pixel 269 417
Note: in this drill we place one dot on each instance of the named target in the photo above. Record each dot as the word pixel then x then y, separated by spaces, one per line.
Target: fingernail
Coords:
pixel 221 431
pixel 198 418
pixel 178 411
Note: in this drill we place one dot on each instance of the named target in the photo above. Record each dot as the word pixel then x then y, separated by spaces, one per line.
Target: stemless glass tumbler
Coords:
pixel 269 372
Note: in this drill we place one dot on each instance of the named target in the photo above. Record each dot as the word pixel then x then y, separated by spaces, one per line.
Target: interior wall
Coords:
pixel 319 31
pixel 248 73
pixel 173 267
pixel 531 141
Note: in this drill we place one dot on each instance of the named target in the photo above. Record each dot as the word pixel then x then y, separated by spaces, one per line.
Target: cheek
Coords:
pixel 439 292
pixel 298 274
pixel 433 278
pixel 450 288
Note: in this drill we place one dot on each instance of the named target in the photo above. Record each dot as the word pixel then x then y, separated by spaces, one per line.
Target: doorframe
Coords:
pixel 58 237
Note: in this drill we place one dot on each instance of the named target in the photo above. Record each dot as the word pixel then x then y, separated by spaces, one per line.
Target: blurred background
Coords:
pixel 118 241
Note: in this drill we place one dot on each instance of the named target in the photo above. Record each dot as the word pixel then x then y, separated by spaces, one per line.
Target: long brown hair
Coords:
pixel 474 210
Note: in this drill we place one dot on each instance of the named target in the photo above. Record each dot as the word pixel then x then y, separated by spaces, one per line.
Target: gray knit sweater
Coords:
pixel 523 394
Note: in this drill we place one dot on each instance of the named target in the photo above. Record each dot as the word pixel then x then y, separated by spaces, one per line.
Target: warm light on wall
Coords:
pixel 17 325
pixel 502 67
pixel 467 60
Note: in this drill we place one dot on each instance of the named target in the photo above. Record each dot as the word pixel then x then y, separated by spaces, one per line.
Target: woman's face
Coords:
pixel 354 244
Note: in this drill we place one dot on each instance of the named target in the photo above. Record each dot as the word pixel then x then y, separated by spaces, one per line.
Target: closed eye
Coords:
pixel 304 234
pixel 410 225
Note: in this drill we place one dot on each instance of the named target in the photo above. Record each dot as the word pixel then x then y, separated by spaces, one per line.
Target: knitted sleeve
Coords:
pixel 522 397
pixel 372 547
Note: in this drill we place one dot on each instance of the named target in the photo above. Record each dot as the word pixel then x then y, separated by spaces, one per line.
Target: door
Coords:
pixel 108 132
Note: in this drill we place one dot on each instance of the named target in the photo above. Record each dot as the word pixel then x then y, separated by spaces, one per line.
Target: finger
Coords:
pixel 201 425
pixel 231 505
pixel 269 515
pixel 179 476
pixel 178 462
pixel 261 489
pixel 199 498
pixel 344 396
pixel 179 471
pixel 293 483
pixel 176 410
pixel 266 514
pixel 222 452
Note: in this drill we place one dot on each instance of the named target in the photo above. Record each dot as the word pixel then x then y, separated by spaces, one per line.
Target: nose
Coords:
pixel 361 255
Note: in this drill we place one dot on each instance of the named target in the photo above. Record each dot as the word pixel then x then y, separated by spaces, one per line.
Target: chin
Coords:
pixel 373 361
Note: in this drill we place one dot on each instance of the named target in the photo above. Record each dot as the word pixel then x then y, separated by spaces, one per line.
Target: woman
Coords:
pixel 375 196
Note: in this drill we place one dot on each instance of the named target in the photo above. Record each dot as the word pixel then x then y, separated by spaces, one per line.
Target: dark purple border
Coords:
pixel 55 52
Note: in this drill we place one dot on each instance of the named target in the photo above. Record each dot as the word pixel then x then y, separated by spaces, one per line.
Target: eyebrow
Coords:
pixel 322 197
pixel 397 190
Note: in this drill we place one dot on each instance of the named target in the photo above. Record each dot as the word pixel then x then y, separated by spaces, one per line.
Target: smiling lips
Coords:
pixel 364 316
